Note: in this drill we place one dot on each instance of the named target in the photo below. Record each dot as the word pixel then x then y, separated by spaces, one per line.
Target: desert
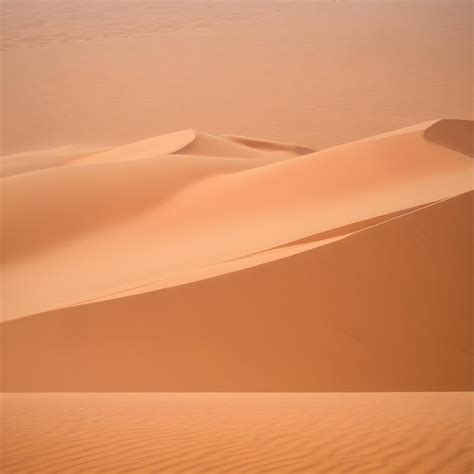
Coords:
pixel 236 237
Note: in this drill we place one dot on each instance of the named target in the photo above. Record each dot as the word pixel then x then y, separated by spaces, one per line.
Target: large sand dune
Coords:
pixel 236 237
pixel 189 262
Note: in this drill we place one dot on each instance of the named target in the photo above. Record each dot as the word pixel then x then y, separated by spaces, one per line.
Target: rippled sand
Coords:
pixel 314 73
pixel 140 260
pixel 238 433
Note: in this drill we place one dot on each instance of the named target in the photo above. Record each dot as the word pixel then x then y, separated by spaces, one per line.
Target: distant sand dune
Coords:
pixel 185 142
pixel 27 162
pixel 201 433
pixel 455 134
pixel 268 146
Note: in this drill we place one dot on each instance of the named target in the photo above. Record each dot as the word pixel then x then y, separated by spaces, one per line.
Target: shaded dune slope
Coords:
pixel 268 145
pixel 132 219
pixel 350 316
pixel 192 262
pixel 455 134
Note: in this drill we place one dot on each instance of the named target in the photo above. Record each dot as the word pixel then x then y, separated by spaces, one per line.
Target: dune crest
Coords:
pixel 143 149
pixel 192 209
pixel 235 246
pixel 277 326
pixel 270 247
pixel 26 162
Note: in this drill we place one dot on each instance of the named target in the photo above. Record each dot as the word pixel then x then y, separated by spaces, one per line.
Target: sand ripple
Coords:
pixel 320 433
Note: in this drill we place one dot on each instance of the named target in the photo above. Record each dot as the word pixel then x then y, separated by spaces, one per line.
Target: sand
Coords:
pixel 330 433
pixel 236 237
pixel 197 263
pixel 245 265
pixel 316 73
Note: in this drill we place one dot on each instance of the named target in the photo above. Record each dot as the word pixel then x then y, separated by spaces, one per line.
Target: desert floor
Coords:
pixel 331 433
pixel 314 73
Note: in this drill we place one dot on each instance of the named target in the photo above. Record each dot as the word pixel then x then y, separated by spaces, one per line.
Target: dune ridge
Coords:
pixel 220 251
pixel 231 255
pixel 177 203
pixel 227 334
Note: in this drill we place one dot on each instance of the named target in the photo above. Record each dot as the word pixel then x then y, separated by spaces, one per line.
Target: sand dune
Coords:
pixel 455 134
pixel 349 316
pixel 107 218
pixel 26 162
pixel 236 246
pixel 187 142
pixel 332 433
pixel 243 264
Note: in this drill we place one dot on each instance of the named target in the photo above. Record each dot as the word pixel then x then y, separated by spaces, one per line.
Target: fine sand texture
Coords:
pixel 193 262
pixel 319 73
pixel 200 433
pixel 236 237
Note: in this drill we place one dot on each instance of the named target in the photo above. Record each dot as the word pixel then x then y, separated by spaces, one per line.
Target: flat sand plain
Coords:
pixel 330 433
pixel 317 73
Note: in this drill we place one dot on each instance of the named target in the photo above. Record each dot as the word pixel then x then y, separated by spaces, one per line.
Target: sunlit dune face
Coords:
pixel 231 255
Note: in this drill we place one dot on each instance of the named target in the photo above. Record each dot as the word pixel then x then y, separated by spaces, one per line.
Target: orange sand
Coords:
pixel 141 255
pixel 318 73
pixel 190 262
pixel 331 433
